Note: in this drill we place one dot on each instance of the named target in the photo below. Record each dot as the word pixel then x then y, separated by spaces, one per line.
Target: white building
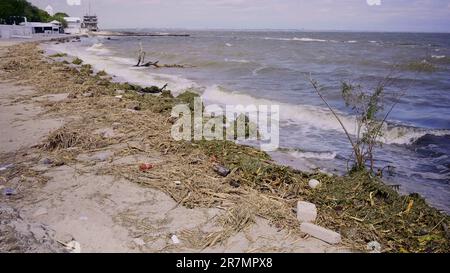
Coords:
pixel 53 27
pixel 73 25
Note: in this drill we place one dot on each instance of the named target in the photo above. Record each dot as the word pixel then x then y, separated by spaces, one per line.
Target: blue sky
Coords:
pixel 369 15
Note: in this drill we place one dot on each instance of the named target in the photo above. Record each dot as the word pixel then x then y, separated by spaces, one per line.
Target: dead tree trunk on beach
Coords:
pixel 141 55
pixel 141 61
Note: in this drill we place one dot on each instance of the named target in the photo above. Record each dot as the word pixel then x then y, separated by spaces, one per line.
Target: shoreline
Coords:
pixel 281 187
pixel 300 121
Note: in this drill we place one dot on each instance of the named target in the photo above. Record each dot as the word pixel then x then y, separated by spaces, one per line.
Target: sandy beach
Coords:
pixel 71 145
pixel 81 198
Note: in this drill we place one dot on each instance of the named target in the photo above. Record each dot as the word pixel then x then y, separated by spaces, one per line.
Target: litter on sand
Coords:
pixel 145 167
pixel 4 167
pixel 175 240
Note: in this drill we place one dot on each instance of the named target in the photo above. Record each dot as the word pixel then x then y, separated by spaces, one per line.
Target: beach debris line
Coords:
pixel 153 89
pixel 267 190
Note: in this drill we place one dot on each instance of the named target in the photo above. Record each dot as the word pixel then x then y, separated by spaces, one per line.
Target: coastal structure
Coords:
pixel 27 29
pixel 73 25
pixel 90 23
pixel 53 27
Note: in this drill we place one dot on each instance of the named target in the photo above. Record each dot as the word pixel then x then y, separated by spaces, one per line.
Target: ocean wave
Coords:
pixel 301 114
pixel 98 48
pixel 320 117
pixel 256 71
pixel 312 116
pixel 243 61
pixel 438 56
pixel 313 155
pixel 406 135
pixel 122 68
pixel 296 39
pixel 309 40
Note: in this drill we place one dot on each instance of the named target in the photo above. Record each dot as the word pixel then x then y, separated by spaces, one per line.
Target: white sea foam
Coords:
pixel 314 155
pixel 237 61
pixel 309 40
pixel 98 49
pixel 319 118
pixel 438 56
pixel 296 39
pixel 312 117
pixel 123 68
pixel 407 135
pixel 256 71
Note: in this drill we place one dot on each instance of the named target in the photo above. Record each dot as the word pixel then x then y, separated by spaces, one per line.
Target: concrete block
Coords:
pixel 321 233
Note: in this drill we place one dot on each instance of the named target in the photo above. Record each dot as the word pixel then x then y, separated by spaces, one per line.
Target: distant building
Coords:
pixel 53 27
pixel 90 23
pixel 73 25
pixel 27 29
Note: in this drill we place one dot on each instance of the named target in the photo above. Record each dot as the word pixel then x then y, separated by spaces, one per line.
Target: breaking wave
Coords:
pixel 319 117
pixel 296 39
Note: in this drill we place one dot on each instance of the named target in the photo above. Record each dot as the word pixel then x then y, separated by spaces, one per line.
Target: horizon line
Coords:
pixel 283 29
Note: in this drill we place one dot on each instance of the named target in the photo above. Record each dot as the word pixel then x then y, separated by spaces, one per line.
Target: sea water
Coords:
pixel 269 67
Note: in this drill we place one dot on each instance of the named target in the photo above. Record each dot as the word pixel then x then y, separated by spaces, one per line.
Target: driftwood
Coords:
pixel 141 55
pixel 141 61
pixel 157 65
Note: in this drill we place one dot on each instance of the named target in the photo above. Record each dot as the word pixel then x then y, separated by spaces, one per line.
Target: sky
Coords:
pixel 351 15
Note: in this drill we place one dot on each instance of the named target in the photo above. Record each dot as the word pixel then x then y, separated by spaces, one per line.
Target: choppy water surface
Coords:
pixel 269 67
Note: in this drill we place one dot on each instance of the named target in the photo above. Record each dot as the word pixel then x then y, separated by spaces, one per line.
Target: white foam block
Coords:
pixel 321 233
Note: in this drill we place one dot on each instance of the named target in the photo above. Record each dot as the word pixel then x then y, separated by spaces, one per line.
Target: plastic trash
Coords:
pixel 175 240
pixel 47 161
pixel 145 167
pixel 4 167
pixel 374 247
pixel 9 192
pixel 73 247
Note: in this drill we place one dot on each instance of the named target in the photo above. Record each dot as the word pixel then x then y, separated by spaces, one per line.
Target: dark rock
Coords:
pixel 221 170
pixel 135 106
pixel 47 161
pixel 235 183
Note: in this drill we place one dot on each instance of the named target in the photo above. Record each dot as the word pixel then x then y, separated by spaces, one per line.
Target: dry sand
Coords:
pixel 101 212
